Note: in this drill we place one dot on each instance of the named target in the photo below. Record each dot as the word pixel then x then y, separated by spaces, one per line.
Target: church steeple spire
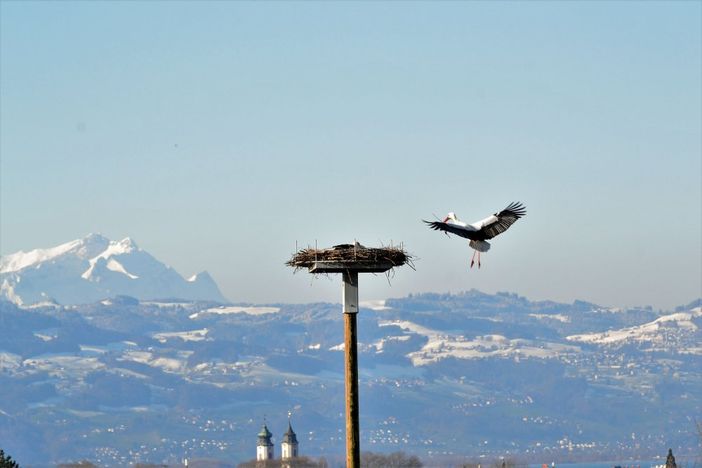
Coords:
pixel 289 444
pixel 264 446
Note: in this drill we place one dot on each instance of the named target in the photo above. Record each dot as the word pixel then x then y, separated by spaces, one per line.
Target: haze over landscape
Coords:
pixel 161 161
pixel 220 134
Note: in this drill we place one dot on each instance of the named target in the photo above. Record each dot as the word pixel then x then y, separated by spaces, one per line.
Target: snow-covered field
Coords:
pixel 223 310
pixel 653 332
pixel 9 361
pixel 64 364
pixel 558 317
pixel 441 345
pixel 378 305
pixel 190 335
pixel 176 363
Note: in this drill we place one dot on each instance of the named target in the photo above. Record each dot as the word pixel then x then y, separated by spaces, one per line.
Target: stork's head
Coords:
pixel 451 216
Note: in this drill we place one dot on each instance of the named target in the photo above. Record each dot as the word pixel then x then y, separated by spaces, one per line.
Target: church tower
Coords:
pixel 289 444
pixel 264 446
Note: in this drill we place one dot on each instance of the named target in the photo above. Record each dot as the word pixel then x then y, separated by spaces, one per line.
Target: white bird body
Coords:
pixel 480 246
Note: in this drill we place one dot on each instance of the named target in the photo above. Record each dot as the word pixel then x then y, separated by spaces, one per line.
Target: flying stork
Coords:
pixel 481 230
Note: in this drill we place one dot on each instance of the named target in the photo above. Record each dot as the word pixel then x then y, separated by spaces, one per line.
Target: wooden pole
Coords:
pixel 350 299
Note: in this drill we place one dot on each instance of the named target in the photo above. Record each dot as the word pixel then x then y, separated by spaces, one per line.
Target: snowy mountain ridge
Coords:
pixel 86 247
pixel 93 268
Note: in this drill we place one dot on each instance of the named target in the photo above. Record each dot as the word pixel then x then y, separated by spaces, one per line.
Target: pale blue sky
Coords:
pixel 219 134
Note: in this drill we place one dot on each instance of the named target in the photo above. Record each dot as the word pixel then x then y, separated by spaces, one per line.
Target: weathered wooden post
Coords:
pixel 350 260
pixel 350 299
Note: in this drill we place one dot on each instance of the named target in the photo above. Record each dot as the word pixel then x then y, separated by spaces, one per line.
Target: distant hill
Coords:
pixel 443 376
pixel 94 268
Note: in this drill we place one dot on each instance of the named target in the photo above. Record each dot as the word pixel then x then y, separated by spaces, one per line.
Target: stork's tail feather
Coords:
pixel 480 246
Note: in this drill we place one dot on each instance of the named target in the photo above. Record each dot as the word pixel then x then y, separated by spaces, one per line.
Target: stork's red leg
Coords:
pixel 472 260
pixel 478 259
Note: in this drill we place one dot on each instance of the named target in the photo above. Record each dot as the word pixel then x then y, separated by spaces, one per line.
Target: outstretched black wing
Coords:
pixel 462 231
pixel 500 222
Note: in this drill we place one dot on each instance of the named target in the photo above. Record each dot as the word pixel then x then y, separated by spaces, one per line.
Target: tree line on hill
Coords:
pixel 368 460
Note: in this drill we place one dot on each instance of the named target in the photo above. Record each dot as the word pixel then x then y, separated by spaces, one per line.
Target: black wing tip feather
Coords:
pixel 433 224
pixel 515 208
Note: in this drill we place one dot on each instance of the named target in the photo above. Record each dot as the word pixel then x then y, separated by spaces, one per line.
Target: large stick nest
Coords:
pixel 352 255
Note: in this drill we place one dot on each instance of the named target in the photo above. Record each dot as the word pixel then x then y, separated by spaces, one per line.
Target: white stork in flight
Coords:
pixel 481 230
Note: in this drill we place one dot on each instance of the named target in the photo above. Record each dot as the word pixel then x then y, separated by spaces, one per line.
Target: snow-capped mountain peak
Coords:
pixel 93 268
pixel 85 247
pixel 91 245
pixel 128 244
pixel 114 249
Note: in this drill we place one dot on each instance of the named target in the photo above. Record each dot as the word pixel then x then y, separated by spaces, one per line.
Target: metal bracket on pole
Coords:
pixel 349 292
